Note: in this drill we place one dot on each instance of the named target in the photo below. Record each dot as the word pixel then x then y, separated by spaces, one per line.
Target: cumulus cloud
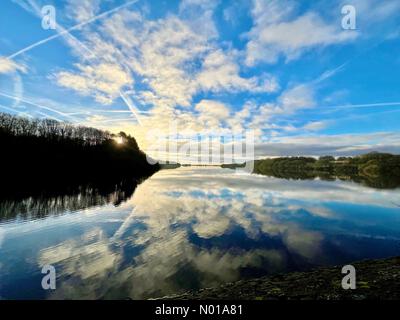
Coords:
pixel 277 32
pixel 178 60
pixel 298 97
pixel 290 101
pixel 200 15
pixel 174 57
pixel 212 117
pixel 173 63
pixel 168 56
pixel 213 109
pixel 221 72
pixel 104 81
pixel 82 10
pixel 10 66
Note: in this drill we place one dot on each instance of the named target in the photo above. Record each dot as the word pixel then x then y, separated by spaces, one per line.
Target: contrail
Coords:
pixel 111 111
pixel 59 28
pixel 366 105
pixel 332 72
pixel 114 120
pixel 130 106
pixel 67 31
pixel 15 110
pixel 36 105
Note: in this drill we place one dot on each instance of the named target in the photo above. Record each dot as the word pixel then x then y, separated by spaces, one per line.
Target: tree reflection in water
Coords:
pixel 67 199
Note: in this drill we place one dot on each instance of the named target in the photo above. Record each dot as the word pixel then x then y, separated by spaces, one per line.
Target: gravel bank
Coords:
pixel 376 279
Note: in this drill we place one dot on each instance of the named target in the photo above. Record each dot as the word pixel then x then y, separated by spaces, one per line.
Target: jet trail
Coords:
pixel 67 31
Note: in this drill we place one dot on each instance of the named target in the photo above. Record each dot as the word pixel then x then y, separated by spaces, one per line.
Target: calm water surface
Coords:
pixel 191 228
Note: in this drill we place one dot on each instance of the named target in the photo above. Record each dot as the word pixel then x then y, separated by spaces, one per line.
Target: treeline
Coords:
pixel 47 154
pixel 51 130
pixel 379 170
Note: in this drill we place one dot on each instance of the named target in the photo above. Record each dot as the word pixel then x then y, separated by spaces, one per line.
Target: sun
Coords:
pixel 119 140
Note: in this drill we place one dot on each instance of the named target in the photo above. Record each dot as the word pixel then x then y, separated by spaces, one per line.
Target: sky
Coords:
pixel 285 70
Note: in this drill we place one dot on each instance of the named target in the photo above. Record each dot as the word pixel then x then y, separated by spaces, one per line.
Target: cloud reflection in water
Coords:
pixel 199 227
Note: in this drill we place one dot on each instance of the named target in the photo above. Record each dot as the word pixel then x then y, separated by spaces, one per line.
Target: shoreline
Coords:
pixel 377 279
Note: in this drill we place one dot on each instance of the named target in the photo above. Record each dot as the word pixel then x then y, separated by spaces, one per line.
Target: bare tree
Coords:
pixel 52 129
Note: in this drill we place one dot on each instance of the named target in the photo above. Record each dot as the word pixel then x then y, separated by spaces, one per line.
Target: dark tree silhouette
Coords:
pixel 43 154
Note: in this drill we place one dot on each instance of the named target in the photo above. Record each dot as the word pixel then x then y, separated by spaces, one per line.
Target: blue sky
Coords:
pixel 285 69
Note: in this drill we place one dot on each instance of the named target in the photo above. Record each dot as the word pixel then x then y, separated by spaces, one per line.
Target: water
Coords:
pixel 190 228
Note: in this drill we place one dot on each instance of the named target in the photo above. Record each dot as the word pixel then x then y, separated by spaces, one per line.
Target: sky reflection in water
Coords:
pixel 197 227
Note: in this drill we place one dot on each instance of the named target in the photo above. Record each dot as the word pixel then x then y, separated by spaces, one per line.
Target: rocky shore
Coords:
pixel 376 279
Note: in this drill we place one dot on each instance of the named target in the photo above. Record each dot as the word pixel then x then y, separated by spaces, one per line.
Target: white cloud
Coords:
pixel 336 145
pixel 123 21
pixel 103 81
pixel 221 72
pixel 373 10
pixel 167 60
pixel 212 113
pixel 10 66
pixel 173 56
pixel 82 10
pixel 298 97
pixel 236 11
pixel 200 15
pixel 315 125
pixel 277 33
pixel 213 108
pixel 291 100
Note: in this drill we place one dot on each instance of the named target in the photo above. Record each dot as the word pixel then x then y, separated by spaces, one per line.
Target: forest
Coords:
pixel 44 154
pixel 378 170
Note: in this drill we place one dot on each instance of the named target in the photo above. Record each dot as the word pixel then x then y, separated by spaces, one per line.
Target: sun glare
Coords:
pixel 119 140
